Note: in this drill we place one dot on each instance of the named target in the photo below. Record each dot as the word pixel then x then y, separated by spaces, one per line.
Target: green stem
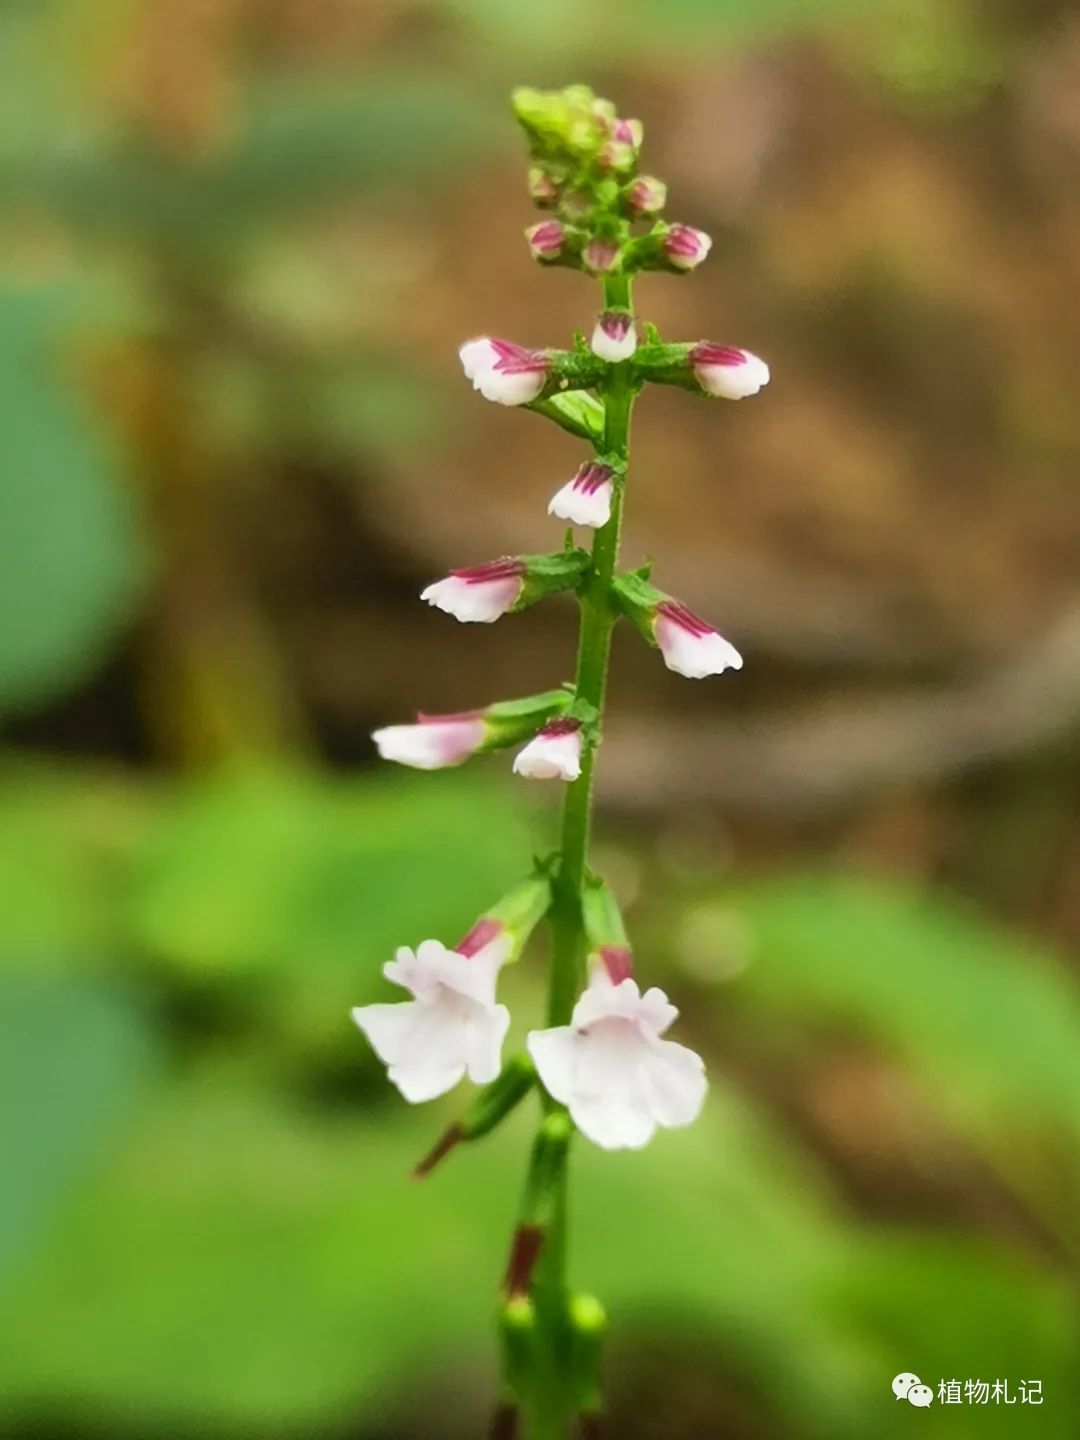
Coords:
pixel 550 1405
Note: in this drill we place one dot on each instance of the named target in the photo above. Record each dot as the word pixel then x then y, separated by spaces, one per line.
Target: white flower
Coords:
pixel 586 499
pixel 554 753
pixel 452 1025
pixel 613 336
pixel 502 371
pixel 479 594
pixel 434 742
pixel 689 645
pixel 612 1070
pixel 727 372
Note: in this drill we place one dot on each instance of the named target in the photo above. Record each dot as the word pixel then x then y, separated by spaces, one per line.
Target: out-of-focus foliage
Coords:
pixel 69 554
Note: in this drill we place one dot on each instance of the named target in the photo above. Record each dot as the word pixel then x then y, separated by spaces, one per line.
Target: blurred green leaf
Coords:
pixel 319 880
pixel 304 141
pixel 983 1015
pixel 71 1057
pixel 69 557
pixel 334 1284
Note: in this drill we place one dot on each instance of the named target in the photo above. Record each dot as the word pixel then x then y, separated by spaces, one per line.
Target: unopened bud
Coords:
pixel 546 240
pixel 646 195
pixel 599 256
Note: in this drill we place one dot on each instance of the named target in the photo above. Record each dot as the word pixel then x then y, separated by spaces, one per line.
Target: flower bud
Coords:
pixel 684 247
pixel 546 240
pixel 614 337
pixel 645 196
pixel 600 256
pixel 690 646
pixel 727 372
pixel 436 742
pixel 504 372
pixel 543 187
pixel 554 753
pixel 479 594
pixel 586 499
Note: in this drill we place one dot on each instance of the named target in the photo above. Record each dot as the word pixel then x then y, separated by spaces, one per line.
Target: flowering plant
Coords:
pixel 602 1063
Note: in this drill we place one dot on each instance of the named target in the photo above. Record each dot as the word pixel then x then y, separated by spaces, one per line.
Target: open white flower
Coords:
pixel 479 594
pixel 691 646
pixel 612 1070
pixel 452 1026
pixel 502 371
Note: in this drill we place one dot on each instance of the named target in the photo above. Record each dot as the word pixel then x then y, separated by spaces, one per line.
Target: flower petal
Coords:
pixel 487 1031
pixel 675 1082
pixel 554 1054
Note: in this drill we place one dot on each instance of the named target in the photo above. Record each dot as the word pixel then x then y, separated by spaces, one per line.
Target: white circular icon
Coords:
pixel 902 1384
pixel 920 1395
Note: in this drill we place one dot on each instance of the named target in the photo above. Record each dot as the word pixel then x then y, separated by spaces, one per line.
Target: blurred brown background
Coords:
pixel 240 243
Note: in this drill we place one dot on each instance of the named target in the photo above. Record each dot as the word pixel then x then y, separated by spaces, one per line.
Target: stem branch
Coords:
pixel 550 1404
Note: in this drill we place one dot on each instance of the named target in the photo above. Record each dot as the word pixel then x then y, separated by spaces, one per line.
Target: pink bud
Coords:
pixel 504 372
pixel 434 742
pixel 599 256
pixel 729 373
pixel 554 753
pixel 484 933
pixel 618 961
pixel 686 247
pixel 690 646
pixel 478 595
pixel 627 132
pixel 546 240
pixel 647 195
pixel 586 499
pixel 613 336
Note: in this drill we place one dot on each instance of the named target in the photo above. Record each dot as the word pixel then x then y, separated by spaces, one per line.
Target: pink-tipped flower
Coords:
pixel 504 372
pixel 546 240
pixel 554 753
pixel 647 195
pixel 451 1027
pixel 627 132
pixel 689 645
pixel 480 594
pixel 435 742
pixel 613 1071
pixel 599 256
pixel 685 248
pixel 614 337
pixel 727 372
pixel 586 499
